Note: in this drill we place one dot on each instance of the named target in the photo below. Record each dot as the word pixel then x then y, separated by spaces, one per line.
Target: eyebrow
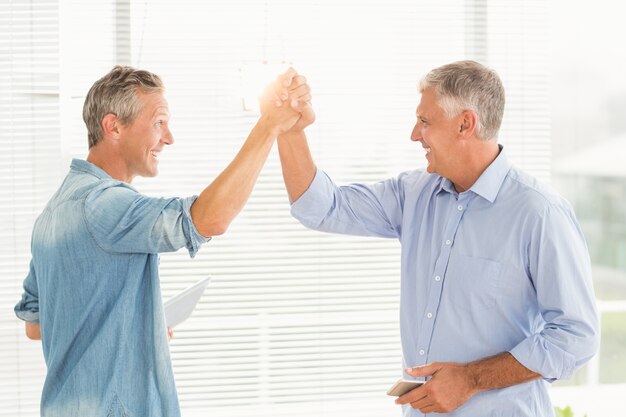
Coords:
pixel 161 111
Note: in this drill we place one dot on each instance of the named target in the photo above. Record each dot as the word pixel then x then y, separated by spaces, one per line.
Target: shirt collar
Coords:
pixel 89 168
pixel 490 181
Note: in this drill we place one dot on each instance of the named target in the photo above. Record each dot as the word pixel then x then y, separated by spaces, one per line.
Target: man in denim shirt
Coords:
pixel 92 294
pixel 496 294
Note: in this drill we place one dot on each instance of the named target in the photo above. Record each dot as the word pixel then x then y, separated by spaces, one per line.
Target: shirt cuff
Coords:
pixel 313 206
pixel 194 238
pixel 28 309
pixel 544 357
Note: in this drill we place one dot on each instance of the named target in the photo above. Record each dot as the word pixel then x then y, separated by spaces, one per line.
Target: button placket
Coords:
pixel 427 327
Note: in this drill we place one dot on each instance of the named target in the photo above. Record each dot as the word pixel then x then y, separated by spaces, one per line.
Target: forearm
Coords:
pixel 223 199
pixel 499 371
pixel 297 163
pixel 452 384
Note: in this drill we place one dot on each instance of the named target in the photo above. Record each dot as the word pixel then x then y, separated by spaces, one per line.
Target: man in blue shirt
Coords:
pixel 93 294
pixel 496 291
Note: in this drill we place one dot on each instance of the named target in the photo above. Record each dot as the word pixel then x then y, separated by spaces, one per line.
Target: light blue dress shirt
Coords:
pixel 94 288
pixel 501 267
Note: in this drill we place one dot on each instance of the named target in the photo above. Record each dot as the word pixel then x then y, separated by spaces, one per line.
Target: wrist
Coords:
pixel 474 379
pixel 267 127
pixel 291 134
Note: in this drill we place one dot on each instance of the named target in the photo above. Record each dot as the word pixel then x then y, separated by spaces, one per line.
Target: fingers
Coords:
pixel 278 95
pixel 424 370
pixel 422 404
pixel 288 76
pixel 299 86
pixel 282 86
pixel 419 400
pixel 299 96
pixel 298 104
pixel 427 405
pixel 290 86
pixel 429 409
pixel 300 93
pixel 412 396
pixel 299 89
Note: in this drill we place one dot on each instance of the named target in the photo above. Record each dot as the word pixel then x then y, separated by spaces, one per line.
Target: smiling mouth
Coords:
pixel 154 153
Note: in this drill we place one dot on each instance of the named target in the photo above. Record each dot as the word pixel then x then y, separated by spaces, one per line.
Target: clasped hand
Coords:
pixel 286 103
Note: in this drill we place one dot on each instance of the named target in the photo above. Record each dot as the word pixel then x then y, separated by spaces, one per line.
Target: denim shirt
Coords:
pixel 501 267
pixel 93 286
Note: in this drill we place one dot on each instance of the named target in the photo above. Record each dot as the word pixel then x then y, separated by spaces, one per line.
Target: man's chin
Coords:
pixel 150 174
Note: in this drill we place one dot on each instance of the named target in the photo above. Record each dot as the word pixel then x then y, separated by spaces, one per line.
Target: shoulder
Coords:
pixel 110 189
pixel 419 181
pixel 106 197
pixel 532 195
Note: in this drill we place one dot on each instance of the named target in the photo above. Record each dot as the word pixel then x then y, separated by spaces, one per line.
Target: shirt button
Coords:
pixel 448 242
pixel 460 207
pixel 429 315
pixel 437 278
pixel 422 352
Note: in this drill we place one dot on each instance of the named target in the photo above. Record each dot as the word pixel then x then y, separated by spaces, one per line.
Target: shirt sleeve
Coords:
pixel 121 220
pixel 356 209
pixel 560 268
pixel 28 307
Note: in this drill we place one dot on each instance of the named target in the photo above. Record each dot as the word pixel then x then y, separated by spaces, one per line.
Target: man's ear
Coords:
pixel 469 121
pixel 111 126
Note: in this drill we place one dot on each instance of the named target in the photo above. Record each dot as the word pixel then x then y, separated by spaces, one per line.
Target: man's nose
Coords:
pixel 416 134
pixel 168 138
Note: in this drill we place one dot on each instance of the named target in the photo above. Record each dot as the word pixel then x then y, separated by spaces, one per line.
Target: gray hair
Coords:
pixel 116 93
pixel 468 85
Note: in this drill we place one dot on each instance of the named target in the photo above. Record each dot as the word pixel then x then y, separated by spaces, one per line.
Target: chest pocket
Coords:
pixel 472 284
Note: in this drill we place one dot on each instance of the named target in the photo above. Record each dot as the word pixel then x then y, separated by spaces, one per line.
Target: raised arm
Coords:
pixel 224 198
pixel 293 148
pixel 297 163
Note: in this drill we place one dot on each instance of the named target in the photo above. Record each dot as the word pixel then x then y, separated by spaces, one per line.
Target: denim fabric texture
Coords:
pixel 94 288
pixel 502 267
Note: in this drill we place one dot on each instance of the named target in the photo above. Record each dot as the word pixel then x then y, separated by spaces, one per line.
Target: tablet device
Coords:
pixel 179 307
pixel 403 386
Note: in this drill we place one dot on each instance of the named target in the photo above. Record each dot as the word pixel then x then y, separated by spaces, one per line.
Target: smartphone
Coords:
pixel 403 386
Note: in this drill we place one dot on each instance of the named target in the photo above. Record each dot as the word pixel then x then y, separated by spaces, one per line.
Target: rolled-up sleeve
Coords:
pixel 27 308
pixel 356 209
pixel 560 268
pixel 193 238
pixel 312 206
pixel 122 220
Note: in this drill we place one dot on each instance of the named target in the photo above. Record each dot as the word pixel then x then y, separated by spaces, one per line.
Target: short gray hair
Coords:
pixel 468 85
pixel 116 93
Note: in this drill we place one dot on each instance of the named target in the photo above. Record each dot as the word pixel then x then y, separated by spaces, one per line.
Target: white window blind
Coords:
pixel 29 169
pixel 293 319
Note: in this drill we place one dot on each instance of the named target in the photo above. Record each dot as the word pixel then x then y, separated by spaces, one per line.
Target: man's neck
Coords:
pixel 109 162
pixel 474 162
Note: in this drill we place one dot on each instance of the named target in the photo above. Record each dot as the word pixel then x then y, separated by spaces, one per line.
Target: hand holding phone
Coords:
pixel 403 386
